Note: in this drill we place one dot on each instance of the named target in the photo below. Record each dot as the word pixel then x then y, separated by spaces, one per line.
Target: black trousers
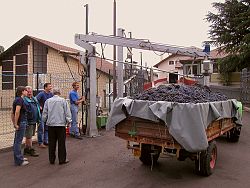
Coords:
pixel 57 134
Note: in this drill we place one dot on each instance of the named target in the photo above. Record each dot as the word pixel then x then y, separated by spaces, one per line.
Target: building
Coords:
pixel 104 76
pixel 185 65
pixel 173 67
pixel 33 61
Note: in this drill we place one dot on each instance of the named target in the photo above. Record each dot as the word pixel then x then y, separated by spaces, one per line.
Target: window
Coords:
pixel 191 69
pixel 173 77
pixel 21 77
pixel 7 73
pixel 187 69
pixel 195 69
pixel 39 58
pixel 171 62
pixel 215 68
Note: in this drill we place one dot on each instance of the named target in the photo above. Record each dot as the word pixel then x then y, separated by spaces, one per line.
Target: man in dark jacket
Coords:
pixel 33 117
pixel 42 133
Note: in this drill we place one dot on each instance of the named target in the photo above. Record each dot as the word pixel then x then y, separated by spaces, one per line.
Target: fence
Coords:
pixel 63 81
pixel 241 92
pixel 245 87
pixel 137 77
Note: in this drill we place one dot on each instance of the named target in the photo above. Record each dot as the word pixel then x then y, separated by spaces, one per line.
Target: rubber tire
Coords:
pixel 234 134
pixel 145 157
pixel 205 158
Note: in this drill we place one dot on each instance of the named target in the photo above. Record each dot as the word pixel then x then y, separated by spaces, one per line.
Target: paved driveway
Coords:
pixel 106 163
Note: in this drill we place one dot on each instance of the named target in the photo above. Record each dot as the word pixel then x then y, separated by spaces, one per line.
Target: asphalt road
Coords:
pixel 106 163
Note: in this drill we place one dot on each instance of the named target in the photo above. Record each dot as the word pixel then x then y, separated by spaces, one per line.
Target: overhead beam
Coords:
pixel 90 48
pixel 140 44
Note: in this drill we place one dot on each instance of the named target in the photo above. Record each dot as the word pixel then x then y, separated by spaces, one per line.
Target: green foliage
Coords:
pixel 230 30
pixel 226 66
pixel 232 63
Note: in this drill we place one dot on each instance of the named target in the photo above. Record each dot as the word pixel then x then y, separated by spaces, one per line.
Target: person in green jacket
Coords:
pixel 33 117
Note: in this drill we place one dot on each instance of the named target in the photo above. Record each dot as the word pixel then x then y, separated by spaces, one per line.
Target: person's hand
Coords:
pixel 83 100
pixel 16 127
pixel 68 125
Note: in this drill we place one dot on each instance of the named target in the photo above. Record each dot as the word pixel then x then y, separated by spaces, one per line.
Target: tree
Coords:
pixel 230 31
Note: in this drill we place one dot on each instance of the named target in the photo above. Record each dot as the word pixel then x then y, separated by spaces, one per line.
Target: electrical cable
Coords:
pixel 156 69
pixel 70 71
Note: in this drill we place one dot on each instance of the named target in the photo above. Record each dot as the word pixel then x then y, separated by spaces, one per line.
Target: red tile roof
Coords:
pixel 54 45
pixel 103 65
pixel 215 54
pixel 181 57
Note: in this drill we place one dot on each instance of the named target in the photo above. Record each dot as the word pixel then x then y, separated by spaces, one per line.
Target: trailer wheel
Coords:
pixel 147 153
pixel 234 134
pixel 205 165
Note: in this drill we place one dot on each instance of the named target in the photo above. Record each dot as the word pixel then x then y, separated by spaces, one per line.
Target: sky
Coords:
pixel 178 22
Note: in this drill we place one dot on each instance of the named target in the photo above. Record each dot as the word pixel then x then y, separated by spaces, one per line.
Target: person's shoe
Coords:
pixel 78 137
pixel 65 162
pixel 24 163
pixel 33 153
pixel 25 159
pixel 72 135
pixel 46 144
pixel 42 146
pixel 26 151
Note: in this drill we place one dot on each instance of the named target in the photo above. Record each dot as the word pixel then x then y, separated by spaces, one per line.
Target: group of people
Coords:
pixel 52 114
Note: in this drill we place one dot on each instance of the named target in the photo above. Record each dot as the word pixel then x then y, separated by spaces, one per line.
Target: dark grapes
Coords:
pixel 181 94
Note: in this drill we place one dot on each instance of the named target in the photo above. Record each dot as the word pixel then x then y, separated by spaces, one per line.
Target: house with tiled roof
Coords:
pixel 186 65
pixel 173 67
pixel 176 65
pixel 33 61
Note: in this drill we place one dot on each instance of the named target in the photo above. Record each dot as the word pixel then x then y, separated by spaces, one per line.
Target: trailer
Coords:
pixel 150 139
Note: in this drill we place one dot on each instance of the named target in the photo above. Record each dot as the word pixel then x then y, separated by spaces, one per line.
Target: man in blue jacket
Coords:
pixel 75 101
pixel 42 134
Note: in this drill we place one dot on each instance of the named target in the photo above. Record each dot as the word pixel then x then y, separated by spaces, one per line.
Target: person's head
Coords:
pixel 29 91
pixel 75 85
pixel 56 91
pixel 21 91
pixel 47 87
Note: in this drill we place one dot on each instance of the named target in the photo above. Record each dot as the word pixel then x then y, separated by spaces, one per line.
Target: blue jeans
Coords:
pixel 19 134
pixel 42 133
pixel 74 124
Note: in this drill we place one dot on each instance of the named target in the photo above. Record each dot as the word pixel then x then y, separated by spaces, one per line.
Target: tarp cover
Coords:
pixel 186 122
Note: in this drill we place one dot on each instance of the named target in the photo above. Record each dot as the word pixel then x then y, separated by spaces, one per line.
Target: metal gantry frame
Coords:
pixel 85 41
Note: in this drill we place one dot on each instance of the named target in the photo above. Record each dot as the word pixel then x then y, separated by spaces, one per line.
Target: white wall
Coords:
pixel 169 68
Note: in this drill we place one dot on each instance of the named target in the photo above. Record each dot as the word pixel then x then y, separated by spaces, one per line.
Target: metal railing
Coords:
pixel 245 86
pixel 60 80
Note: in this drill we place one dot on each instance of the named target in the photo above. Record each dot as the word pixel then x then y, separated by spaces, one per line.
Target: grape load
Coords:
pixel 181 94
